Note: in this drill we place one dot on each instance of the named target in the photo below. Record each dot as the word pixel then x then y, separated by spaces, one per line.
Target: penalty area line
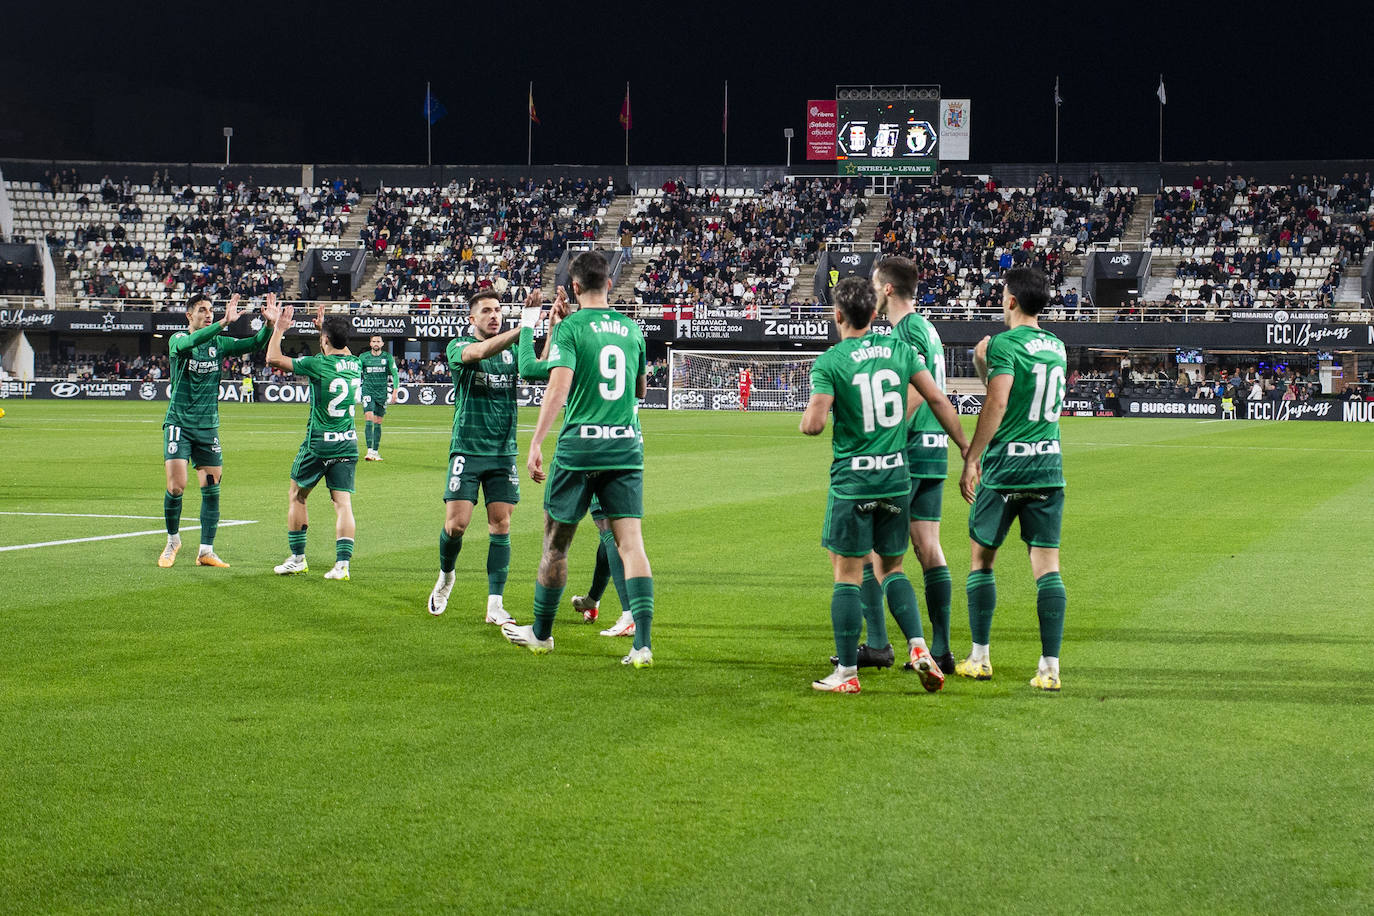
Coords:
pixel 227 523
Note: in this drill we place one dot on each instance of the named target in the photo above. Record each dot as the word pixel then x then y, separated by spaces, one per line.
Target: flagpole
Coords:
pixel 1056 129
pixel 1161 122
pixel 429 126
pixel 725 126
pixel 627 123
pixel 529 127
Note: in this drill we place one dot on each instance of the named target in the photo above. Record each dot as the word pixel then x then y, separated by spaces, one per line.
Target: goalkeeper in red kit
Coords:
pixel 746 383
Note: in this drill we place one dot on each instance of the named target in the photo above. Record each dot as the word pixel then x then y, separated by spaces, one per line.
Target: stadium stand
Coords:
pixel 152 245
pixel 733 251
pixel 1235 244
pixel 963 235
pixel 442 245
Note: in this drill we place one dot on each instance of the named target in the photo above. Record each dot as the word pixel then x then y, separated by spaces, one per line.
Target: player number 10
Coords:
pixel 1048 400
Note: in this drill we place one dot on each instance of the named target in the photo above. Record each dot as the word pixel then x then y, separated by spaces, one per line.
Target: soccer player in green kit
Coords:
pixel 190 431
pixel 482 450
pixel 597 362
pixel 330 449
pixel 865 378
pixel 927 453
pixel 1014 470
pixel 378 367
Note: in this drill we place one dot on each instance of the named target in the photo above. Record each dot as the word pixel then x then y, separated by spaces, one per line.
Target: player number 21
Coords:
pixel 340 389
pixel 1048 400
pixel 613 371
pixel 880 398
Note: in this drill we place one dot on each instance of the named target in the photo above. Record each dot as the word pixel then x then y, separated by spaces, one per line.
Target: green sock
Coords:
pixel 875 619
pixel 1050 603
pixel 450 545
pixel 545 608
pixel 982 601
pixel 901 599
pixel 376 436
pixel 601 576
pixel 846 616
pixel 295 541
pixel 617 569
pixel 209 513
pixel 498 563
pixel 641 592
pixel 367 432
pixel 171 511
pixel 343 550
pixel 939 590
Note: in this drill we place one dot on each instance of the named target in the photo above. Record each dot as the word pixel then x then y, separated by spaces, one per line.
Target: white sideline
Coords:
pixel 87 515
pixel 226 523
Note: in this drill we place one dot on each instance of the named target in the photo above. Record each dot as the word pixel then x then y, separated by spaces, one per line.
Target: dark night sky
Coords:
pixel 345 82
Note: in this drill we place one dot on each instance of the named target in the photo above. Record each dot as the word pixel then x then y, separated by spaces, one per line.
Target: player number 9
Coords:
pixel 613 370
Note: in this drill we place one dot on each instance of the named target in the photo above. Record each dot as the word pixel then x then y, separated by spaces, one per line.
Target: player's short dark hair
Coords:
pixel 378 336
pixel 1029 287
pixel 590 270
pixel 902 273
pixel 335 330
pixel 479 296
pixel 196 300
pixel 856 300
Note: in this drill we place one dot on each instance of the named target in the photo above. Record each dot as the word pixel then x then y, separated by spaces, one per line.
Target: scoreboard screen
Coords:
pixel 880 137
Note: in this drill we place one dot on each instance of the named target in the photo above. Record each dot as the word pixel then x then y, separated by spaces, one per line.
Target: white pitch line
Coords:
pixel 111 537
pixel 88 515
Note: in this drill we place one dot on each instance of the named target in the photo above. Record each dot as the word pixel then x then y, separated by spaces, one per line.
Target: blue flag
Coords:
pixel 434 109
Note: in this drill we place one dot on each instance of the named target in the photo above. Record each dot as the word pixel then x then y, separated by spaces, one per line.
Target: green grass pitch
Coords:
pixel 223 740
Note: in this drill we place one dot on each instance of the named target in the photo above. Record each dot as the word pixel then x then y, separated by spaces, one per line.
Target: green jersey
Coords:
pixel 194 369
pixel 484 405
pixel 1024 451
pixel 927 443
pixel 867 376
pixel 335 387
pixel 376 370
pixel 605 351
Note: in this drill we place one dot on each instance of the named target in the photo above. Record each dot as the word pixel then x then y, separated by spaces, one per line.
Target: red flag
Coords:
pixel 533 117
pixel 625 109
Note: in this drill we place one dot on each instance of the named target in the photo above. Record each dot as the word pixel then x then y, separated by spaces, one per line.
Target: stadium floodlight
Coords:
pixel 228 133
pixel 788 133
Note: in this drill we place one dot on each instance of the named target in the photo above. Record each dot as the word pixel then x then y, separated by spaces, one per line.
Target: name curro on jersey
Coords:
pixel 872 351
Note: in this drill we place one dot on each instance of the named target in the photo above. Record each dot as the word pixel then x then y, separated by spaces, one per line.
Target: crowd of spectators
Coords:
pixel 230 238
pixel 441 245
pixel 1288 245
pixel 965 231
pixel 734 254
pixel 1153 379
